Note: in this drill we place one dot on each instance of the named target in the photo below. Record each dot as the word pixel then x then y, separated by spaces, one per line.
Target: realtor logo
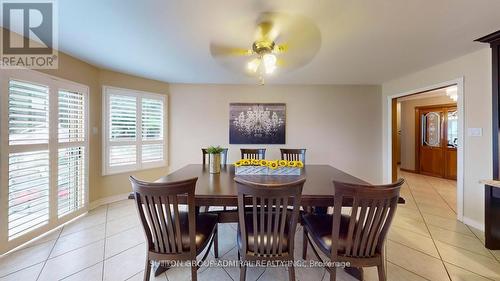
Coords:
pixel 28 37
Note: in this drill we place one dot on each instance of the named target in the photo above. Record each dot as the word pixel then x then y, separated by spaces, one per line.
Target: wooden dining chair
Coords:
pixel 253 153
pixel 293 154
pixel 357 238
pixel 223 156
pixel 266 228
pixel 172 233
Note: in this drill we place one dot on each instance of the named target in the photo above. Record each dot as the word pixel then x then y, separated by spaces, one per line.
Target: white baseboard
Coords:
pixel 107 200
pixel 474 223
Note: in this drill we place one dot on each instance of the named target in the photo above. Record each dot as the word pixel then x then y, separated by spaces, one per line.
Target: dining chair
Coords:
pixel 253 153
pixel 223 156
pixel 172 233
pixel 293 154
pixel 266 227
pixel 357 238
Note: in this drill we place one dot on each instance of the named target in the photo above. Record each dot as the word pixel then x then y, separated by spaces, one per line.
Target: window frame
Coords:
pixel 54 84
pixel 108 91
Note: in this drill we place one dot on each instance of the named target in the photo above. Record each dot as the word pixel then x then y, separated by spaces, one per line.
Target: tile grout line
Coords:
pixel 405 269
pixel 87 267
pixel 489 251
pixel 425 223
pixel 475 273
pixel 50 253
pixel 446 202
pixel 104 246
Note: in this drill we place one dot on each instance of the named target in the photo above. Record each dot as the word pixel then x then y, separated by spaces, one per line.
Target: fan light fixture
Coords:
pixel 265 63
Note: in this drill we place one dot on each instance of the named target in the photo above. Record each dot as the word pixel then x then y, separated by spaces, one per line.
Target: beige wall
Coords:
pixel 338 125
pixel 408 127
pixel 475 68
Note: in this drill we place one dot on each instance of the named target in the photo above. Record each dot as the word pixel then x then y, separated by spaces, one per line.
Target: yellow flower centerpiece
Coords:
pixel 268 167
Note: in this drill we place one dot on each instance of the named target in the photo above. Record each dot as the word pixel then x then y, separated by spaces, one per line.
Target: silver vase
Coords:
pixel 214 163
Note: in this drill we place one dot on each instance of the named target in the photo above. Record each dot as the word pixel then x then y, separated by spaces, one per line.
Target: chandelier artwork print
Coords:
pixel 257 123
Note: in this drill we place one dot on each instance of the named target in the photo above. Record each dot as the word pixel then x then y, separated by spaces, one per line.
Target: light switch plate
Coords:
pixel 475 132
pixel 94 130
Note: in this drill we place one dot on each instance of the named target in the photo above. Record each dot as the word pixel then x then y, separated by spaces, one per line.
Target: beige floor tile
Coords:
pixel 476 263
pixel 87 221
pixel 121 224
pixel 73 261
pixel 78 239
pixel 416 262
pixel 459 274
pixel 25 257
pixel 124 240
pixel 274 274
pixel 125 264
pixel 394 273
pixel 411 225
pixel 413 240
pixel 140 277
pixel 409 214
pixel 445 212
pixel 227 238
pixel 214 273
pixel 478 233
pixel 121 211
pixel 447 223
pixel 92 273
pixel 27 274
pixel 467 242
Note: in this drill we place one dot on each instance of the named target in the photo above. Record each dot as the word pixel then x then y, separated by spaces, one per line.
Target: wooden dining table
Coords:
pixel 220 189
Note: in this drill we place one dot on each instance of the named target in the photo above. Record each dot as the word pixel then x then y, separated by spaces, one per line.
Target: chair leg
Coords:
pixel 333 274
pixel 216 242
pixel 194 273
pixel 243 272
pixel 147 270
pixel 304 244
pixel 381 272
pixel 291 273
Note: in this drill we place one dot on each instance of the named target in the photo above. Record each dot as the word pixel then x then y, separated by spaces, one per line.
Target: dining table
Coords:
pixel 220 189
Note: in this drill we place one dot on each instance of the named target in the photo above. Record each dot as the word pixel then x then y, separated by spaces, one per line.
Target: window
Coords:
pixel 44 166
pixel 134 130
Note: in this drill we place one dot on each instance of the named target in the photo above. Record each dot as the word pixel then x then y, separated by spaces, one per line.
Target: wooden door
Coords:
pixel 451 137
pixel 431 142
pixel 437 141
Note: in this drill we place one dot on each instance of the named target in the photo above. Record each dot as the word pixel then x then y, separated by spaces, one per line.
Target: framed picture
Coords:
pixel 257 123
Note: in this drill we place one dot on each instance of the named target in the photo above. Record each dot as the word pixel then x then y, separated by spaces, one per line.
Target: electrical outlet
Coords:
pixel 475 132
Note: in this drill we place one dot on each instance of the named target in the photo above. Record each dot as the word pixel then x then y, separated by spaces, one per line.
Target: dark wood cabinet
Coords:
pixel 492 193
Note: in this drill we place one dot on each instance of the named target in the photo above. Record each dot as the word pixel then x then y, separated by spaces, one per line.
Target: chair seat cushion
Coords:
pixel 320 226
pixel 205 225
pixel 251 236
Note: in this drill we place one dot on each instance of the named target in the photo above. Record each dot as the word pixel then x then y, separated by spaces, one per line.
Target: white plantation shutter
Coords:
pixel 44 177
pixel 71 181
pixel 28 113
pixel 28 191
pixel 71 116
pixel 134 130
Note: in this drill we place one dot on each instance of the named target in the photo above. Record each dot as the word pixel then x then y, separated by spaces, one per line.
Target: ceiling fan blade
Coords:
pixel 280 48
pixel 226 51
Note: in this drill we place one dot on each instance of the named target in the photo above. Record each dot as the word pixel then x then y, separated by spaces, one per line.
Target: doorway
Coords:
pixel 397 158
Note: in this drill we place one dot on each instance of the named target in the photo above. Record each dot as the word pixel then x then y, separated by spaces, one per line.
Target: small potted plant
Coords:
pixel 214 158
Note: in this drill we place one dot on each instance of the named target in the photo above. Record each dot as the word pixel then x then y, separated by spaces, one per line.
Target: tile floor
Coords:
pixel 426 242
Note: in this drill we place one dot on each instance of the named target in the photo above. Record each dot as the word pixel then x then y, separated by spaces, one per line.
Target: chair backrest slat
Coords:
pixel 293 154
pixel 271 219
pixel 158 208
pixel 372 212
pixel 253 153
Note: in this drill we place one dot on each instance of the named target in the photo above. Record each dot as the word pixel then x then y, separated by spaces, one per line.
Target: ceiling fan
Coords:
pixel 281 42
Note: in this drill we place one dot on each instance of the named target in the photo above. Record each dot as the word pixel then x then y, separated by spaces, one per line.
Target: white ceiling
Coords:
pixel 362 42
